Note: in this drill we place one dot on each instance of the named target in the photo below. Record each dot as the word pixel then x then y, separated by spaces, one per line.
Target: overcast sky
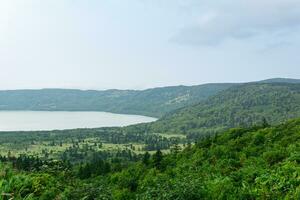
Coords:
pixel 135 44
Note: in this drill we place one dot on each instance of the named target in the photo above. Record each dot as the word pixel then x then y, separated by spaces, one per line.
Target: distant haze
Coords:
pixel 137 44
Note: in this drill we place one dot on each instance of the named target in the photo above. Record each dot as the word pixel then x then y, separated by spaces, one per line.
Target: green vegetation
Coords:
pixel 242 163
pixel 152 102
pixel 234 145
pixel 239 106
pixel 280 80
pixel 80 145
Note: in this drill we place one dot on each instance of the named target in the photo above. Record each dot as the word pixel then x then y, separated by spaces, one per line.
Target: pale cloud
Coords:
pixel 215 22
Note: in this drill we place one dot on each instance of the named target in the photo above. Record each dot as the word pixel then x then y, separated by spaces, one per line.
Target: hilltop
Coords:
pixel 154 102
pixel 151 102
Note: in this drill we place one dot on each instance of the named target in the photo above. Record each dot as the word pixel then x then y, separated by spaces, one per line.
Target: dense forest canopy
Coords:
pixel 261 162
pixel 237 143
pixel 242 105
pixel 151 102
pixel 154 102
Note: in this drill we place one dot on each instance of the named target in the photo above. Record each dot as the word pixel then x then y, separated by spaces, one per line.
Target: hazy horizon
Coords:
pixel 103 89
pixel 140 44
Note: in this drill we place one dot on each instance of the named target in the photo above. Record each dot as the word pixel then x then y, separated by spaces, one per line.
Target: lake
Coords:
pixel 58 120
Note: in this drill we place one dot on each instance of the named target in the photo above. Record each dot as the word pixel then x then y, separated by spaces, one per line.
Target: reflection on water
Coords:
pixel 45 120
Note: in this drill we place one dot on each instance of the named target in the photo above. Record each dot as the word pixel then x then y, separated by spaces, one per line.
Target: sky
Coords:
pixel 137 44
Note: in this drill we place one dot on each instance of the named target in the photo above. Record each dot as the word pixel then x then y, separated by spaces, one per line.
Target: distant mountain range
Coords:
pixel 151 102
pixel 154 102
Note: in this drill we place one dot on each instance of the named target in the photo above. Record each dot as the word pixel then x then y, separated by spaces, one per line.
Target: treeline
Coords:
pixel 77 155
pixel 127 135
pixel 79 145
pixel 32 163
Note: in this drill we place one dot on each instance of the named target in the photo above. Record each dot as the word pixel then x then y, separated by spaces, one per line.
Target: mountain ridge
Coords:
pixel 153 102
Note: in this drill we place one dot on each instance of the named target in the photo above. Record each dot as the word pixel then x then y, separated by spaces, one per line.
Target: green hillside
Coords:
pixel 254 163
pixel 154 102
pixel 242 105
pixel 151 102
pixel 280 80
pixel 247 148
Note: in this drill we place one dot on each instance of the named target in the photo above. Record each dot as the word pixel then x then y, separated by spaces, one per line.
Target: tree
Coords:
pixel 157 158
pixel 176 148
pixel 85 171
pixel 146 158
pixel 265 123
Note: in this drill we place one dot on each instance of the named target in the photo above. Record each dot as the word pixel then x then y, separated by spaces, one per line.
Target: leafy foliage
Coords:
pixel 242 163
pixel 240 106
pixel 254 160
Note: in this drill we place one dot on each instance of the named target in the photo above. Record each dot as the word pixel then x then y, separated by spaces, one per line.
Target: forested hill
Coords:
pixel 151 102
pixel 280 80
pixel 242 105
pixel 254 163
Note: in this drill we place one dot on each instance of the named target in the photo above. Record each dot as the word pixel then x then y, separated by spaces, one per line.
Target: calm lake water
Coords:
pixel 44 120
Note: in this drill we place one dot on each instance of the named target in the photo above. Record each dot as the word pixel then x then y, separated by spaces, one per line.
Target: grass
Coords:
pixel 39 149
pixel 166 135
pixel 53 150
